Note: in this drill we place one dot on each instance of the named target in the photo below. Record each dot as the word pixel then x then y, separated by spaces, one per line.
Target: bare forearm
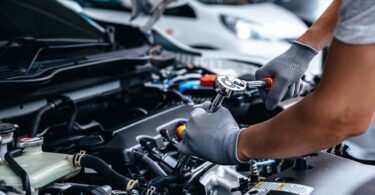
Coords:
pixel 294 132
pixel 341 107
pixel 320 34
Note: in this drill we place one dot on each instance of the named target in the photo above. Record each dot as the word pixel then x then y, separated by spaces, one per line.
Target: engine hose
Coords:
pixel 73 117
pixel 104 170
pixel 154 167
pixel 162 181
pixel 170 179
pixel 50 106
pixel 17 169
pixel 38 118
pixel 182 97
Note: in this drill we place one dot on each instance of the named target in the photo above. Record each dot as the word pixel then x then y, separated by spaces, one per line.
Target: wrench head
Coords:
pixel 230 86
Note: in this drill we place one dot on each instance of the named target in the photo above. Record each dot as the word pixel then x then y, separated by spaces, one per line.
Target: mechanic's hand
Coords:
pixel 211 136
pixel 287 70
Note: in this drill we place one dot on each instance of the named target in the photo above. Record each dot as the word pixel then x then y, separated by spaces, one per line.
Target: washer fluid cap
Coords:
pixel 30 142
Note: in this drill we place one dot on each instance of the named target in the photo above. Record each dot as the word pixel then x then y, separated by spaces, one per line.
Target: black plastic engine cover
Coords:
pixel 118 151
pixel 330 174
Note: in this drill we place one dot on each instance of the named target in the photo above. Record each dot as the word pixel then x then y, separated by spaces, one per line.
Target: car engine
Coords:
pixel 88 116
pixel 118 136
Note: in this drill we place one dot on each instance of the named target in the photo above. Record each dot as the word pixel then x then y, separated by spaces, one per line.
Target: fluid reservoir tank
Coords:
pixel 6 137
pixel 41 167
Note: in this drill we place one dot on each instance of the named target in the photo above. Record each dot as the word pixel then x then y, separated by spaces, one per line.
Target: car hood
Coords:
pixel 274 20
pixel 44 19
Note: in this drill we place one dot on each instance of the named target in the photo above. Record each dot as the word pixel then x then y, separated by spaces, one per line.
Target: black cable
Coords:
pixel 17 169
pixel 38 118
pixel 184 98
pixel 73 117
pixel 50 106
pixel 164 180
pixel 154 167
pixel 170 179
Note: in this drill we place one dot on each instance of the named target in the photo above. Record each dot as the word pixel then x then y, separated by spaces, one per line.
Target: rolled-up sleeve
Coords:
pixel 356 23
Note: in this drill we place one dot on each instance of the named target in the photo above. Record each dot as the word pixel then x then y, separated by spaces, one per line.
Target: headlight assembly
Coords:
pixel 243 29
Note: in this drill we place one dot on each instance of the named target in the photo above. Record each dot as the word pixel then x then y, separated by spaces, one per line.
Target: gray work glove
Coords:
pixel 287 70
pixel 211 136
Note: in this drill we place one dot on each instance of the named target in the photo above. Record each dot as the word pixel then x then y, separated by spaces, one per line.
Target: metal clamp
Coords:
pixel 131 184
pixel 77 158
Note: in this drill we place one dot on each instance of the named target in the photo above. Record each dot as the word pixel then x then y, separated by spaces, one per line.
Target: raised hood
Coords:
pixel 36 18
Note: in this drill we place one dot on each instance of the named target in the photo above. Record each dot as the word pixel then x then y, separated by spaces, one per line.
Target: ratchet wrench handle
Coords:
pixel 216 103
pixel 265 83
pixel 269 82
pixel 228 87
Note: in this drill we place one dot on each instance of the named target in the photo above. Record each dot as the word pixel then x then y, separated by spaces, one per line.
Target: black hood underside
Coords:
pixel 44 19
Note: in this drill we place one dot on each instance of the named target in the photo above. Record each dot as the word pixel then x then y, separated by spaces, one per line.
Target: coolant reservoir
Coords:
pixel 42 167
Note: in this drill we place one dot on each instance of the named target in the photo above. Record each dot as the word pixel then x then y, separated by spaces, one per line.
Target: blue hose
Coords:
pixel 265 163
pixel 191 84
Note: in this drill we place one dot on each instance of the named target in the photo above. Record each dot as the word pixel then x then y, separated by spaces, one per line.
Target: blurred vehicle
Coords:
pixel 258 29
pixel 308 11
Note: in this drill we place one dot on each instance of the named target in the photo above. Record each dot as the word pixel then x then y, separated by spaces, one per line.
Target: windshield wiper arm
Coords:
pixel 34 47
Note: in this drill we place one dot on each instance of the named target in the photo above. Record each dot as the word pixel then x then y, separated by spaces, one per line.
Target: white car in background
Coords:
pixel 262 30
pixel 309 11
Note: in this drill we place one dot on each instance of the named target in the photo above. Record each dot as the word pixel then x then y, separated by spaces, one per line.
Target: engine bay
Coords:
pixel 120 137
pixel 129 123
